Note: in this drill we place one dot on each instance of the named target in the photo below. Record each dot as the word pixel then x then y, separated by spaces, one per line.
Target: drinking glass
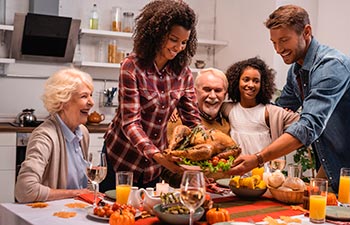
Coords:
pixel 318 200
pixel 344 186
pixel 192 191
pixel 277 164
pixel 96 170
pixel 123 186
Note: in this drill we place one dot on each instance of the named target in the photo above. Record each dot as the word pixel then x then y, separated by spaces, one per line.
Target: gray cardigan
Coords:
pixel 45 165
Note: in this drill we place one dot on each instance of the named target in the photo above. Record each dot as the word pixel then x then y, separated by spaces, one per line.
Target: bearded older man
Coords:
pixel 211 88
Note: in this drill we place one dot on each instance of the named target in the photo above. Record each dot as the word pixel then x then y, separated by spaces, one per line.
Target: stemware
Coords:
pixel 192 191
pixel 96 170
pixel 277 164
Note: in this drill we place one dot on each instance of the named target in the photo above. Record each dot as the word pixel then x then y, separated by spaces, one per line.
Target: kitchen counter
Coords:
pixel 9 127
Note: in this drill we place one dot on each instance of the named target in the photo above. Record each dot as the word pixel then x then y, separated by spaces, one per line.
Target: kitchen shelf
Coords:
pixel 6 27
pixel 108 65
pixel 109 34
pixel 96 64
pixel 7 60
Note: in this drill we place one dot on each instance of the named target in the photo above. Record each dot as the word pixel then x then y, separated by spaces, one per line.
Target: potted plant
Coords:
pixel 305 156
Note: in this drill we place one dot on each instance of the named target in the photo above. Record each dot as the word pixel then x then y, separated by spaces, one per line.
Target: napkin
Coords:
pixel 214 188
pixel 89 198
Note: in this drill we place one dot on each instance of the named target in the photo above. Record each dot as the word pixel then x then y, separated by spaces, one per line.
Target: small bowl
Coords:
pixel 247 192
pixel 288 197
pixel 177 219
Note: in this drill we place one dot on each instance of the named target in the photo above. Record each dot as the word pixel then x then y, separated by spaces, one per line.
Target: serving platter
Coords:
pixel 189 167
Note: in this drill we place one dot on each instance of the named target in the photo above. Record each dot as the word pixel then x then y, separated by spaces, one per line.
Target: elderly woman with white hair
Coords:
pixel 55 163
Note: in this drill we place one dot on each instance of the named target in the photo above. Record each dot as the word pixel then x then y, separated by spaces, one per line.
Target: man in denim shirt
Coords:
pixel 319 82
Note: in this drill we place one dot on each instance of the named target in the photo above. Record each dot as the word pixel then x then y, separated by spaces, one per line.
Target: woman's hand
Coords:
pixel 169 162
pixel 243 164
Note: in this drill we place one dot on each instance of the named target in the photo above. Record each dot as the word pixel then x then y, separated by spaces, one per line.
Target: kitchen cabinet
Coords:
pixel 7 166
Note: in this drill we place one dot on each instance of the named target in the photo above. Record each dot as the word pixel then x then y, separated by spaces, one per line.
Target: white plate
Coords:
pixel 90 213
pixel 232 223
pixel 223 182
pixel 338 213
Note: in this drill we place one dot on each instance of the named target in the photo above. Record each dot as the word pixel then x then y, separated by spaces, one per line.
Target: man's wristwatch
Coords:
pixel 260 160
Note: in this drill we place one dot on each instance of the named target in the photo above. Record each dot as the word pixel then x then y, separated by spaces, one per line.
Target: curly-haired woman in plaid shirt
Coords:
pixel 154 80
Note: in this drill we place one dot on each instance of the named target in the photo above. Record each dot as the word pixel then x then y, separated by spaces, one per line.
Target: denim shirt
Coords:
pixel 325 116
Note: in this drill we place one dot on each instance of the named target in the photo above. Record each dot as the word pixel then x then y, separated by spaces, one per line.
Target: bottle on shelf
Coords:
pixel 117 22
pixel 94 18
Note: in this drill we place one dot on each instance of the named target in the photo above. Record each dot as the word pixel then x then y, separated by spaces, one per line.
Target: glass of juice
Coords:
pixel 123 186
pixel 344 186
pixel 318 200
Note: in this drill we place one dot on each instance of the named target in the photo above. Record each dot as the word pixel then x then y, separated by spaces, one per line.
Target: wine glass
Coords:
pixel 96 170
pixel 192 191
pixel 277 164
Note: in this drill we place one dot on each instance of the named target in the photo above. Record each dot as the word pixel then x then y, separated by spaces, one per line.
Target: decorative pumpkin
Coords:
pixel 216 215
pixel 124 217
pixel 331 199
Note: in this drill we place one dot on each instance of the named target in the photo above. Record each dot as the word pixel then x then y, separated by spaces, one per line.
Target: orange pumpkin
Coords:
pixel 124 217
pixel 331 199
pixel 216 215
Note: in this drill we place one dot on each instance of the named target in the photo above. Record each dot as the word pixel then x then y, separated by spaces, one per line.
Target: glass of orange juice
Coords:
pixel 123 186
pixel 318 200
pixel 344 186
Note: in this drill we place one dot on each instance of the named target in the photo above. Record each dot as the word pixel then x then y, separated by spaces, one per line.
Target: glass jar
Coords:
pixel 117 20
pixel 120 56
pixel 128 22
pixel 100 56
pixel 112 51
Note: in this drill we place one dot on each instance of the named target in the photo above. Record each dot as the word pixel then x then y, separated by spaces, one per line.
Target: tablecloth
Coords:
pixel 244 210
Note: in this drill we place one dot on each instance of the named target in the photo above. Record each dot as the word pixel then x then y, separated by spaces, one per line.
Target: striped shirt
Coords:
pixel 147 99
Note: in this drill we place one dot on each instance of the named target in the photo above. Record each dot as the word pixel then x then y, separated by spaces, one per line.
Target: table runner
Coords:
pixel 243 210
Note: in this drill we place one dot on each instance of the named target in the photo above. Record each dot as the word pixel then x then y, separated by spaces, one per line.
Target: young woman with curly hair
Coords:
pixel 254 122
pixel 154 80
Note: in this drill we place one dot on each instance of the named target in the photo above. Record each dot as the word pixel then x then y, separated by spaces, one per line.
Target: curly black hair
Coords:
pixel 268 86
pixel 153 26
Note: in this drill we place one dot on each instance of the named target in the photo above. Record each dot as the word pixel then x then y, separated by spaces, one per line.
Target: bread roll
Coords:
pixel 294 183
pixel 276 179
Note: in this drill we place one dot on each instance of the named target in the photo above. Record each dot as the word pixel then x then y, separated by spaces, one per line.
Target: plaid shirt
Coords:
pixel 147 99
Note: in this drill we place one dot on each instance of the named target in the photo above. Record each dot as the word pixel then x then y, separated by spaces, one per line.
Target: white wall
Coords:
pixel 240 22
pixel 20 93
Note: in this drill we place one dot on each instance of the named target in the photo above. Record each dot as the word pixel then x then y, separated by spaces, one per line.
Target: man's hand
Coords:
pixel 169 163
pixel 243 164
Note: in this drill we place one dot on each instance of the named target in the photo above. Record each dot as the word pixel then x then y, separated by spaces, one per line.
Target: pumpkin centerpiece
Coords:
pixel 216 215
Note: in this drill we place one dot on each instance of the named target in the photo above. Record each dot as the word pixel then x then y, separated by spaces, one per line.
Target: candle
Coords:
pixel 162 188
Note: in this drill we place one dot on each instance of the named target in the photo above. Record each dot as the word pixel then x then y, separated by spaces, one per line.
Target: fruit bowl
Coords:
pixel 244 192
